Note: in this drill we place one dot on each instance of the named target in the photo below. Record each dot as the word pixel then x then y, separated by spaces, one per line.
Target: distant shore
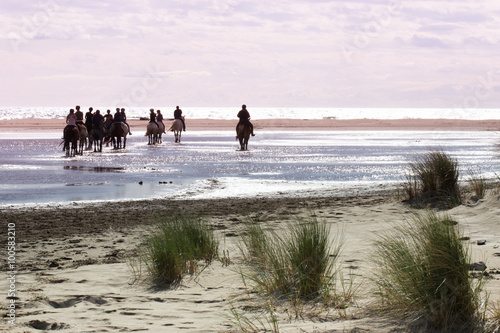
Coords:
pixel 51 125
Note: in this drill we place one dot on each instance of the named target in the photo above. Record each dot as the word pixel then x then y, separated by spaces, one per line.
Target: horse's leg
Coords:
pixel 124 142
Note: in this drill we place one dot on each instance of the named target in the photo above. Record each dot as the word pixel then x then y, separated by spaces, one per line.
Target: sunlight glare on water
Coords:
pixel 207 164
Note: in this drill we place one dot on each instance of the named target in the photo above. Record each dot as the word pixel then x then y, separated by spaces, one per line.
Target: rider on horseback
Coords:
pixel 152 117
pixel 124 120
pixel 71 118
pixel 178 115
pixel 244 116
pixel 79 115
pixel 159 119
pixel 97 121
pixel 88 119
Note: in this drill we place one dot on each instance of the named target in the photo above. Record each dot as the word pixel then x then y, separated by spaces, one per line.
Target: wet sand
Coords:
pixel 41 125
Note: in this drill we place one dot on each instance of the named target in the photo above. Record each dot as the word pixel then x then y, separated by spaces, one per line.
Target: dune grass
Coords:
pixel 477 184
pixel 174 247
pixel 433 180
pixel 424 274
pixel 299 263
pixel 292 271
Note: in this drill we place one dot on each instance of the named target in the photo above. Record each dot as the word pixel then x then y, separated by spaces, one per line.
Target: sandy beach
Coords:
pixel 75 267
pixel 41 125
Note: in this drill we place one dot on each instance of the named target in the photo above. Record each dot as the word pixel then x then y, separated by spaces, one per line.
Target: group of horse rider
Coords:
pixel 96 120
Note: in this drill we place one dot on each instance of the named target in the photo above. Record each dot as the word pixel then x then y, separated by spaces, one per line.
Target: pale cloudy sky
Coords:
pixel 317 53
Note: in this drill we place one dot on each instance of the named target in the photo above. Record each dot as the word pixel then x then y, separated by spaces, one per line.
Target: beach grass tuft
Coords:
pixel 478 184
pixel 424 274
pixel 433 180
pixel 293 272
pixel 174 247
pixel 299 264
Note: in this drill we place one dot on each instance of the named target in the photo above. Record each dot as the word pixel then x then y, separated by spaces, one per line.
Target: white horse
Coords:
pixel 152 133
pixel 160 131
pixel 177 129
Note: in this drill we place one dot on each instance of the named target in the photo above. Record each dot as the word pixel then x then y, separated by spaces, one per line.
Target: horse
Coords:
pixel 243 131
pixel 107 130
pixel 160 131
pixel 119 131
pixel 70 135
pixel 152 133
pixel 96 136
pixel 177 129
pixel 82 138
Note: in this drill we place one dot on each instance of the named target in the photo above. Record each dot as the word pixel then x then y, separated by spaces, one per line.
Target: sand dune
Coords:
pixel 74 272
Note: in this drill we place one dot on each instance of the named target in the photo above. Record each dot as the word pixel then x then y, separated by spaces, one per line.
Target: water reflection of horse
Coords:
pixel 71 136
pixel 119 131
pixel 243 131
pixel 177 129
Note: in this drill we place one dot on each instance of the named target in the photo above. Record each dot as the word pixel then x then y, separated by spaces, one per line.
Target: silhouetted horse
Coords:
pixel 97 135
pixel 243 131
pixel 70 135
pixel 177 129
pixel 119 131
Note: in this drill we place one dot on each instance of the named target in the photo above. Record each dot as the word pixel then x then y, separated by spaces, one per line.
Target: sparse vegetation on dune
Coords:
pixel 424 274
pixel 291 270
pixel 433 180
pixel 174 247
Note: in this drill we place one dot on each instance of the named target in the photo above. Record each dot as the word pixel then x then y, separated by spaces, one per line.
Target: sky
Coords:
pixel 304 53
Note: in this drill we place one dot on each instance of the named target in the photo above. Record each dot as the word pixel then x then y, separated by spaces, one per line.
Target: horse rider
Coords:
pixel 159 119
pixel 178 115
pixel 124 120
pixel 79 117
pixel 244 116
pixel 97 121
pixel 152 117
pixel 71 118
pixel 117 118
pixel 108 115
pixel 88 119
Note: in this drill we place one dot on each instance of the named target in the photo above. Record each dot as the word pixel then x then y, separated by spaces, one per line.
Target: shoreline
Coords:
pixel 34 125
pixel 59 221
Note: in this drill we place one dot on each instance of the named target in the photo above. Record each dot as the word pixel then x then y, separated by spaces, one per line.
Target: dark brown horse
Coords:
pixel 243 131
pixel 96 137
pixel 71 136
pixel 119 131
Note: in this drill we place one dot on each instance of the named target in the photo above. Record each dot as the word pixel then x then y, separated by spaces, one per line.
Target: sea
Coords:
pixel 34 171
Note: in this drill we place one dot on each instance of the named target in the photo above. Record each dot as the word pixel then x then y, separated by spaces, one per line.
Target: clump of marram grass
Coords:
pixel 300 263
pixel 477 184
pixel 433 180
pixel 294 270
pixel 424 274
pixel 174 247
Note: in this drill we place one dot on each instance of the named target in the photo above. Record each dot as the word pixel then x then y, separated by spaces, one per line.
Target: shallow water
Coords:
pixel 208 165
